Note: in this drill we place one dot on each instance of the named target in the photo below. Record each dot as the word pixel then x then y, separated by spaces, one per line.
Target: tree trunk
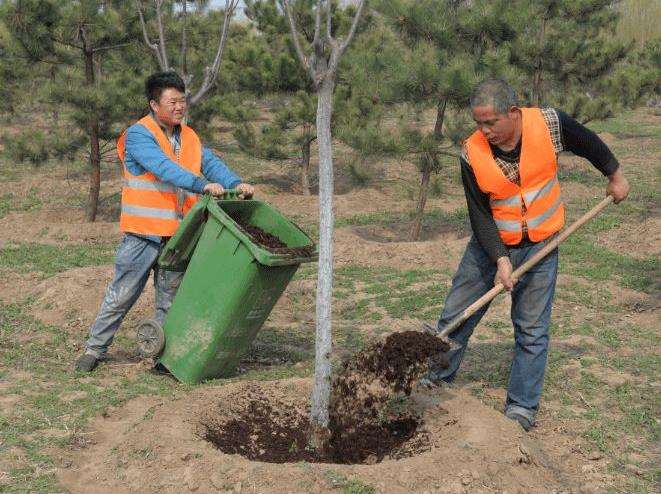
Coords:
pixel 319 416
pixel 424 183
pixel 305 167
pixel 440 117
pixel 93 132
pixel 537 73
pixel 422 200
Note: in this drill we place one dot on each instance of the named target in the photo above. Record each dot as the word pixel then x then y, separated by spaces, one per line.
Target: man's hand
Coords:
pixel 504 273
pixel 246 191
pixel 215 190
pixel 618 186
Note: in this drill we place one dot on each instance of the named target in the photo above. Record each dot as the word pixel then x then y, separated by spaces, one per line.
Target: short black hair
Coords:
pixel 160 81
pixel 495 93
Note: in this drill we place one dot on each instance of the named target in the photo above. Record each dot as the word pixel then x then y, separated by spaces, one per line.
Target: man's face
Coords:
pixel 498 128
pixel 170 109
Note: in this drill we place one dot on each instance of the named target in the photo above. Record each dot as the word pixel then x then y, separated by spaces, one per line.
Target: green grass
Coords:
pixel 456 220
pixel 626 125
pixel 9 202
pixel 52 259
pixel 348 486
pixel 42 379
pixel 579 257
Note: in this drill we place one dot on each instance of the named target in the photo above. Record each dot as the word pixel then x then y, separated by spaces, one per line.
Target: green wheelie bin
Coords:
pixel 229 288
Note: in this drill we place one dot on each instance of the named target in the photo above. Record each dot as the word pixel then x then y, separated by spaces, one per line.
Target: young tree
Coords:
pixel 75 39
pixel 321 62
pixel 298 115
pixel 568 50
pixel 450 44
pixel 159 44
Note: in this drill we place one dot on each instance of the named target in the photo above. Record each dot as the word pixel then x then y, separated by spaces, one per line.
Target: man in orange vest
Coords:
pixel 166 168
pixel 509 172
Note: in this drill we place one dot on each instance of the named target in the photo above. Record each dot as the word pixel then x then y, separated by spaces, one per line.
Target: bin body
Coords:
pixel 229 288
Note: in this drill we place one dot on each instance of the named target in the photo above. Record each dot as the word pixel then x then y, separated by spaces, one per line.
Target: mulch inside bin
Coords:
pixel 371 417
pixel 271 242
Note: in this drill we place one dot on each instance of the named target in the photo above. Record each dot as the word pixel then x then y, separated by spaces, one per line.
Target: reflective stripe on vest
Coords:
pixel 529 197
pixel 538 220
pixel 537 201
pixel 149 205
pixel 136 183
pixel 148 212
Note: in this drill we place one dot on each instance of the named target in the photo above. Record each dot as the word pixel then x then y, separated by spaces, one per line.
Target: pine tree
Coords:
pixel 636 79
pixel 77 42
pixel 567 49
pixel 450 45
pixel 298 115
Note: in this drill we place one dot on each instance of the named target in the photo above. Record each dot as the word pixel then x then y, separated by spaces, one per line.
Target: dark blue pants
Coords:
pixel 532 299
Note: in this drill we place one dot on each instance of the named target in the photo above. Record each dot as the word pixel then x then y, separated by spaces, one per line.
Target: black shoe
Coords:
pixel 86 363
pixel 523 421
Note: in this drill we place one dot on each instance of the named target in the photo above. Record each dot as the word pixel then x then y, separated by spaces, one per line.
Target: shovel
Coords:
pixel 516 274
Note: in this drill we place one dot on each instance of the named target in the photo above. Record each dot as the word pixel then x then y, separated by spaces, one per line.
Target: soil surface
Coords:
pixel 272 242
pixel 370 415
pixel 156 444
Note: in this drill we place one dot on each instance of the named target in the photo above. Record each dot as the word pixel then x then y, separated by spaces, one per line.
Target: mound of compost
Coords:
pixel 271 242
pixel 370 415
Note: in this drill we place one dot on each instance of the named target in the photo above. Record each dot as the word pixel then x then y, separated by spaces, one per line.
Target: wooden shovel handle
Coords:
pixel 521 270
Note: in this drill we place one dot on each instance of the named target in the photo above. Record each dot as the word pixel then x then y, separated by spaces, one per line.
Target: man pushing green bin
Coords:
pixel 166 168
pixel 229 288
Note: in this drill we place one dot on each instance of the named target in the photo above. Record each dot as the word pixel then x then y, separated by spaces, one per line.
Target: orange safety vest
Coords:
pixel 149 205
pixel 537 201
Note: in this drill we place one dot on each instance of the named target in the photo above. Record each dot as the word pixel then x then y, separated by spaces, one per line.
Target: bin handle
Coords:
pixel 227 194
pixel 230 194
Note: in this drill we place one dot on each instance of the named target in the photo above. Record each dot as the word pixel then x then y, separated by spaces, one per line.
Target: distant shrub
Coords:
pixel 27 147
pixel 37 147
pixel 267 144
pixel 359 174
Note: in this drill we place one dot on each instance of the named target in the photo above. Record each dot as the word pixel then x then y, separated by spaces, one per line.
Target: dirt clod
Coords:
pixel 370 416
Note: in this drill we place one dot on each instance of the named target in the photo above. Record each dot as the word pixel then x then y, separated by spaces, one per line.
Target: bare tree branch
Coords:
pixel 211 73
pixel 161 34
pixel 111 47
pixel 145 35
pixel 297 43
pixel 317 24
pixel 354 27
pixel 340 47
pixel 66 43
pixel 329 22
pixel 184 38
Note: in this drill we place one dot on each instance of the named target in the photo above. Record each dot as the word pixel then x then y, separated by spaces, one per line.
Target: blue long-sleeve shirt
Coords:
pixel 143 154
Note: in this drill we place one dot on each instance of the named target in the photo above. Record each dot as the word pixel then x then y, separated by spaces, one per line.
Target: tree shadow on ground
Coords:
pixel 288 180
pixel 401 231
pixel 490 362
pixel 273 347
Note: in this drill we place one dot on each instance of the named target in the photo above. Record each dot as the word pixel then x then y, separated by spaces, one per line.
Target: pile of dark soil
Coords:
pixel 368 399
pixel 270 241
pixel 370 417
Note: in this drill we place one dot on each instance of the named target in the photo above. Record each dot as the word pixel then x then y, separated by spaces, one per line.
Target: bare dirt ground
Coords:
pixel 147 438
pixel 480 451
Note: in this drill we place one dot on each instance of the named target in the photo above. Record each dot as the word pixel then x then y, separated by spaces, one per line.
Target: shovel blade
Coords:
pixel 429 329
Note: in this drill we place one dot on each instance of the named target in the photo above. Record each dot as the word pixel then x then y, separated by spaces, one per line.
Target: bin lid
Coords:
pixel 178 251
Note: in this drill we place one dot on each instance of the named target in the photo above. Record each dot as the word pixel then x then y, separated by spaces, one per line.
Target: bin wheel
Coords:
pixel 151 339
